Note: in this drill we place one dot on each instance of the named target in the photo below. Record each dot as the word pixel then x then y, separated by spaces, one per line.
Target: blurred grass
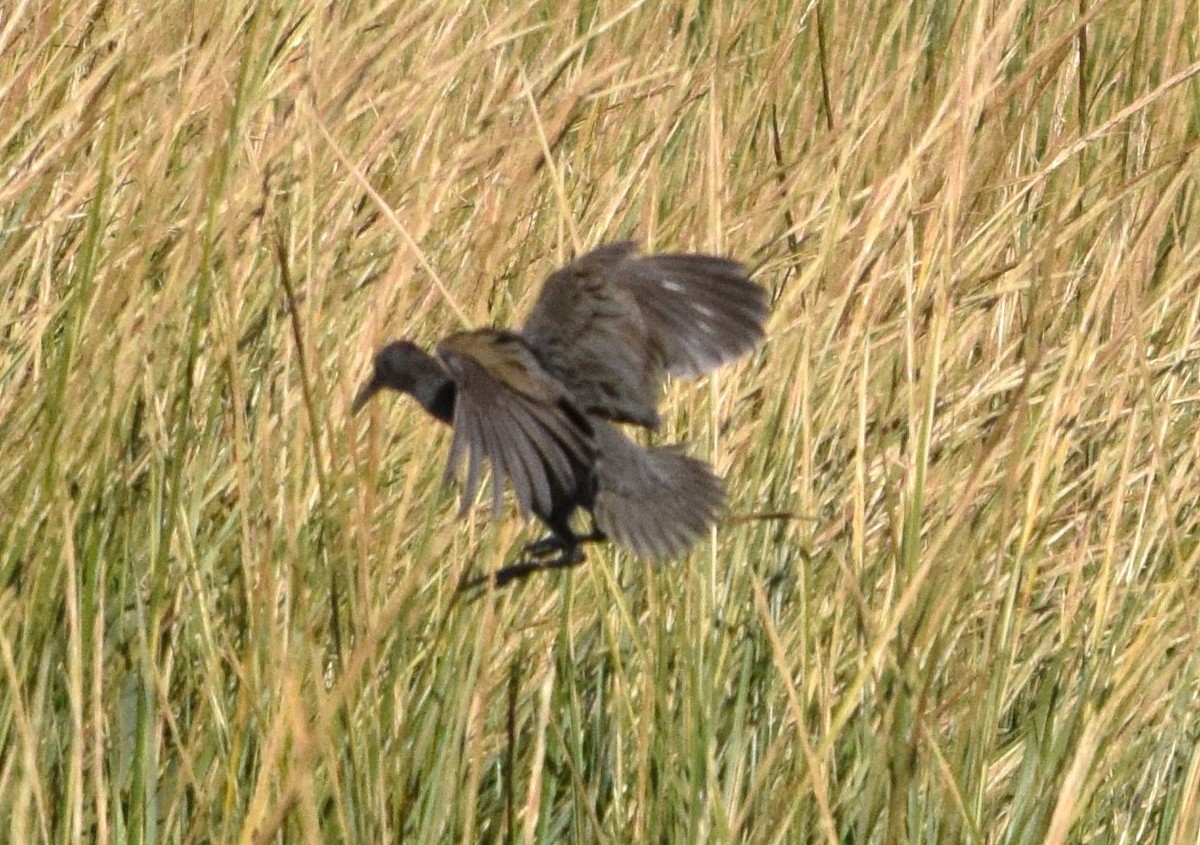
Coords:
pixel 226 607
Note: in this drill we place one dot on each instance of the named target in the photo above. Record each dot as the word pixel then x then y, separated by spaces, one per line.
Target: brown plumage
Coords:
pixel 539 405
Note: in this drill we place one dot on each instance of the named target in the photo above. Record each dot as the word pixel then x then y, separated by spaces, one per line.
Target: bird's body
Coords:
pixel 539 404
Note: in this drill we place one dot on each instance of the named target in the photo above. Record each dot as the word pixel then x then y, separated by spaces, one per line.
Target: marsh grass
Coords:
pixel 227 608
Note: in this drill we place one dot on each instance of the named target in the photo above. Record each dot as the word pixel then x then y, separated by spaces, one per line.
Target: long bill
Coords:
pixel 369 388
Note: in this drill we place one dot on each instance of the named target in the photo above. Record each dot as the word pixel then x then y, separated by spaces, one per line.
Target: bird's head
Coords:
pixel 402 366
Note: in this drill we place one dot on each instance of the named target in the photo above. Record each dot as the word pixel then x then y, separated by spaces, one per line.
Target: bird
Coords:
pixel 543 405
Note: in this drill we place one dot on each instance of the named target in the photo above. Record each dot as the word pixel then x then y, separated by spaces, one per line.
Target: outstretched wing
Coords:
pixel 512 413
pixel 612 323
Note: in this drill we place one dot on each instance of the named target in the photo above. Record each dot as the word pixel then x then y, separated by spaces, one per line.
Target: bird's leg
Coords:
pixel 561 540
pixel 547 545
pixel 556 542
pixel 571 555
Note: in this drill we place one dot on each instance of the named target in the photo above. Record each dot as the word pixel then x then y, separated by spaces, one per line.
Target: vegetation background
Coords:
pixel 227 607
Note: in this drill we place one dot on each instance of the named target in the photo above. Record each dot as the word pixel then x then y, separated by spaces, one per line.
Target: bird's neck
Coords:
pixel 439 400
pixel 435 391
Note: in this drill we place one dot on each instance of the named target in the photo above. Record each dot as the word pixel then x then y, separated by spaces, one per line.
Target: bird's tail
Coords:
pixel 657 501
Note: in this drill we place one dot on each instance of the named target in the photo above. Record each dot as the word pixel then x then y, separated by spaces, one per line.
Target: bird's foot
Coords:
pixel 523 568
pixel 548 545
pixel 552 543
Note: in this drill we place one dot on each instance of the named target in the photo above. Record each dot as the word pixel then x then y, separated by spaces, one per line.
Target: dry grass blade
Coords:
pixel 228 609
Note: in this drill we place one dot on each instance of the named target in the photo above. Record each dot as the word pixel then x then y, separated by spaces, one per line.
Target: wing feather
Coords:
pixel 512 414
pixel 611 325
